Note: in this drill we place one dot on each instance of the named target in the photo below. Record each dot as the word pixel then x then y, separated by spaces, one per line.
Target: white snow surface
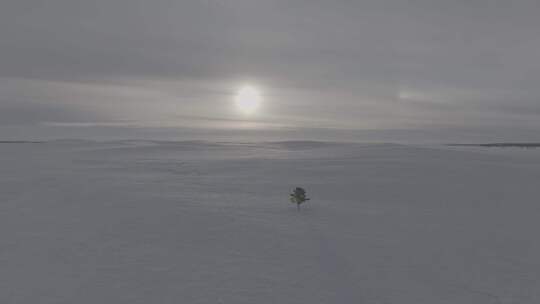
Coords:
pixel 198 222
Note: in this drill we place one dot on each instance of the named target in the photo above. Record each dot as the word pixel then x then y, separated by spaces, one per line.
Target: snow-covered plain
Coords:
pixel 194 222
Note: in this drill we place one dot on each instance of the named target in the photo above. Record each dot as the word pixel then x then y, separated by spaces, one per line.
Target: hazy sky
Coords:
pixel 459 70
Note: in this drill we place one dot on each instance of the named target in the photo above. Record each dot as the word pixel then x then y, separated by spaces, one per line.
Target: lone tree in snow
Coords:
pixel 298 197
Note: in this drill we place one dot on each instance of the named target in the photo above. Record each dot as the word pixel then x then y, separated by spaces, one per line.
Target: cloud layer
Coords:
pixel 356 65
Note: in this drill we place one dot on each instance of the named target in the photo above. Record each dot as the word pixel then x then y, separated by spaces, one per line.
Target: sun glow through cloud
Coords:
pixel 248 99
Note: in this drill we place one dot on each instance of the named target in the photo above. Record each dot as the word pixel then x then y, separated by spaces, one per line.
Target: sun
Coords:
pixel 248 99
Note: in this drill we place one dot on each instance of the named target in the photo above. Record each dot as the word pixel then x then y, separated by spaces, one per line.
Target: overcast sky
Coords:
pixel 458 70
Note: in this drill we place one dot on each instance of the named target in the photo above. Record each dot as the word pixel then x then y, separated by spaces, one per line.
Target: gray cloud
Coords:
pixel 384 64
